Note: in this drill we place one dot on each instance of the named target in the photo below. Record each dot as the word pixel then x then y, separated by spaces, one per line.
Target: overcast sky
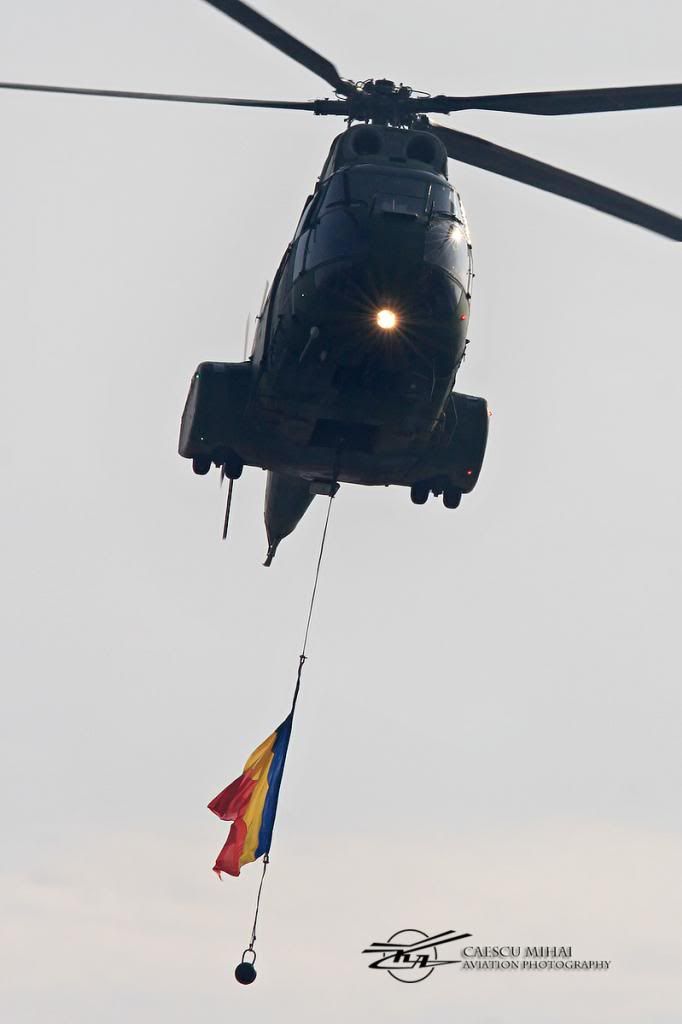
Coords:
pixel 488 733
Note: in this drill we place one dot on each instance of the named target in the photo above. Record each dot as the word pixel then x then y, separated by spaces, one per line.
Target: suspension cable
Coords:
pixel 301 662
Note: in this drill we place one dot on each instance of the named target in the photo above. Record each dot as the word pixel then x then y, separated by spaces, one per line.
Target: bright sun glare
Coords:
pixel 386 319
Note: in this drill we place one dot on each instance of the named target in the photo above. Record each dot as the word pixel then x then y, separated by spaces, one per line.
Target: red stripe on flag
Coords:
pixel 228 858
pixel 230 805
pixel 232 802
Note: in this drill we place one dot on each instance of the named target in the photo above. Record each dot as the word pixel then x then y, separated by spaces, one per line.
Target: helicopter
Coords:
pixel 361 334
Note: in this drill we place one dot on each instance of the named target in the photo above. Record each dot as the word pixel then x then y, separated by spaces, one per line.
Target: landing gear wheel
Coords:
pixel 419 493
pixel 230 464
pixel 451 497
pixel 201 464
pixel 233 469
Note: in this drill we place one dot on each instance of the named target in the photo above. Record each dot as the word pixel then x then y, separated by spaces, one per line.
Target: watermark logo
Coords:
pixel 411 955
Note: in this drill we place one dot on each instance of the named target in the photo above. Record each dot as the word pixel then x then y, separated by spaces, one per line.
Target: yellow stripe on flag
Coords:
pixel 257 768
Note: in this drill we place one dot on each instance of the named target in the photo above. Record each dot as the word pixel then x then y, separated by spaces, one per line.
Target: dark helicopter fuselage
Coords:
pixel 381 232
pixel 329 395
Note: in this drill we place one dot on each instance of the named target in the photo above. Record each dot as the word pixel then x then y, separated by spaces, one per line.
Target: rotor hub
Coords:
pixel 379 101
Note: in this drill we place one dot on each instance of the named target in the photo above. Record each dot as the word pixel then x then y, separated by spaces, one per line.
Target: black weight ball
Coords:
pixel 245 973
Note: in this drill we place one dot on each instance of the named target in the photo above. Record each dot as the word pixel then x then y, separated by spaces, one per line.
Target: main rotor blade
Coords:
pixel 481 153
pixel 282 40
pixel 569 101
pixel 173 98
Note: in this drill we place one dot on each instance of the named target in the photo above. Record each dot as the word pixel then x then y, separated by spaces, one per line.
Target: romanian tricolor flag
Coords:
pixel 250 803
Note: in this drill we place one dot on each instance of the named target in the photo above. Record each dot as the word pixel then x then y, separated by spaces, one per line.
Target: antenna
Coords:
pixel 246 337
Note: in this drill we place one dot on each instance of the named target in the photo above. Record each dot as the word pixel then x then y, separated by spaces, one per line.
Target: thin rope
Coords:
pixel 301 663
pixel 266 861
pixel 317 576
pixel 302 656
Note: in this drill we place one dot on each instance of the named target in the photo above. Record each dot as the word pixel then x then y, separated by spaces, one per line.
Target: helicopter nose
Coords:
pixel 397 235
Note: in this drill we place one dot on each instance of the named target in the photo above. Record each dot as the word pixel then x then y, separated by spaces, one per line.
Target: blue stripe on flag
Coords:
pixel 279 753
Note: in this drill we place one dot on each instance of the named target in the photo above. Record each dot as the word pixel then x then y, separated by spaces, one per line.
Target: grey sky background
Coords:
pixel 488 732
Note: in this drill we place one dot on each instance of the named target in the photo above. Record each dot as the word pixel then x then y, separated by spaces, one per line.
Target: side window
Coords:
pixel 284 283
pixel 335 194
pixel 444 201
pixel 310 211
pixel 300 227
pixel 299 254
pixel 463 217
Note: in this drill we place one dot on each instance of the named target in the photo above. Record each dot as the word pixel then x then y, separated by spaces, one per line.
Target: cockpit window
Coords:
pixel 365 185
pixel 334 236
pixel 446 246
pixel 406 205
pixel 444 200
